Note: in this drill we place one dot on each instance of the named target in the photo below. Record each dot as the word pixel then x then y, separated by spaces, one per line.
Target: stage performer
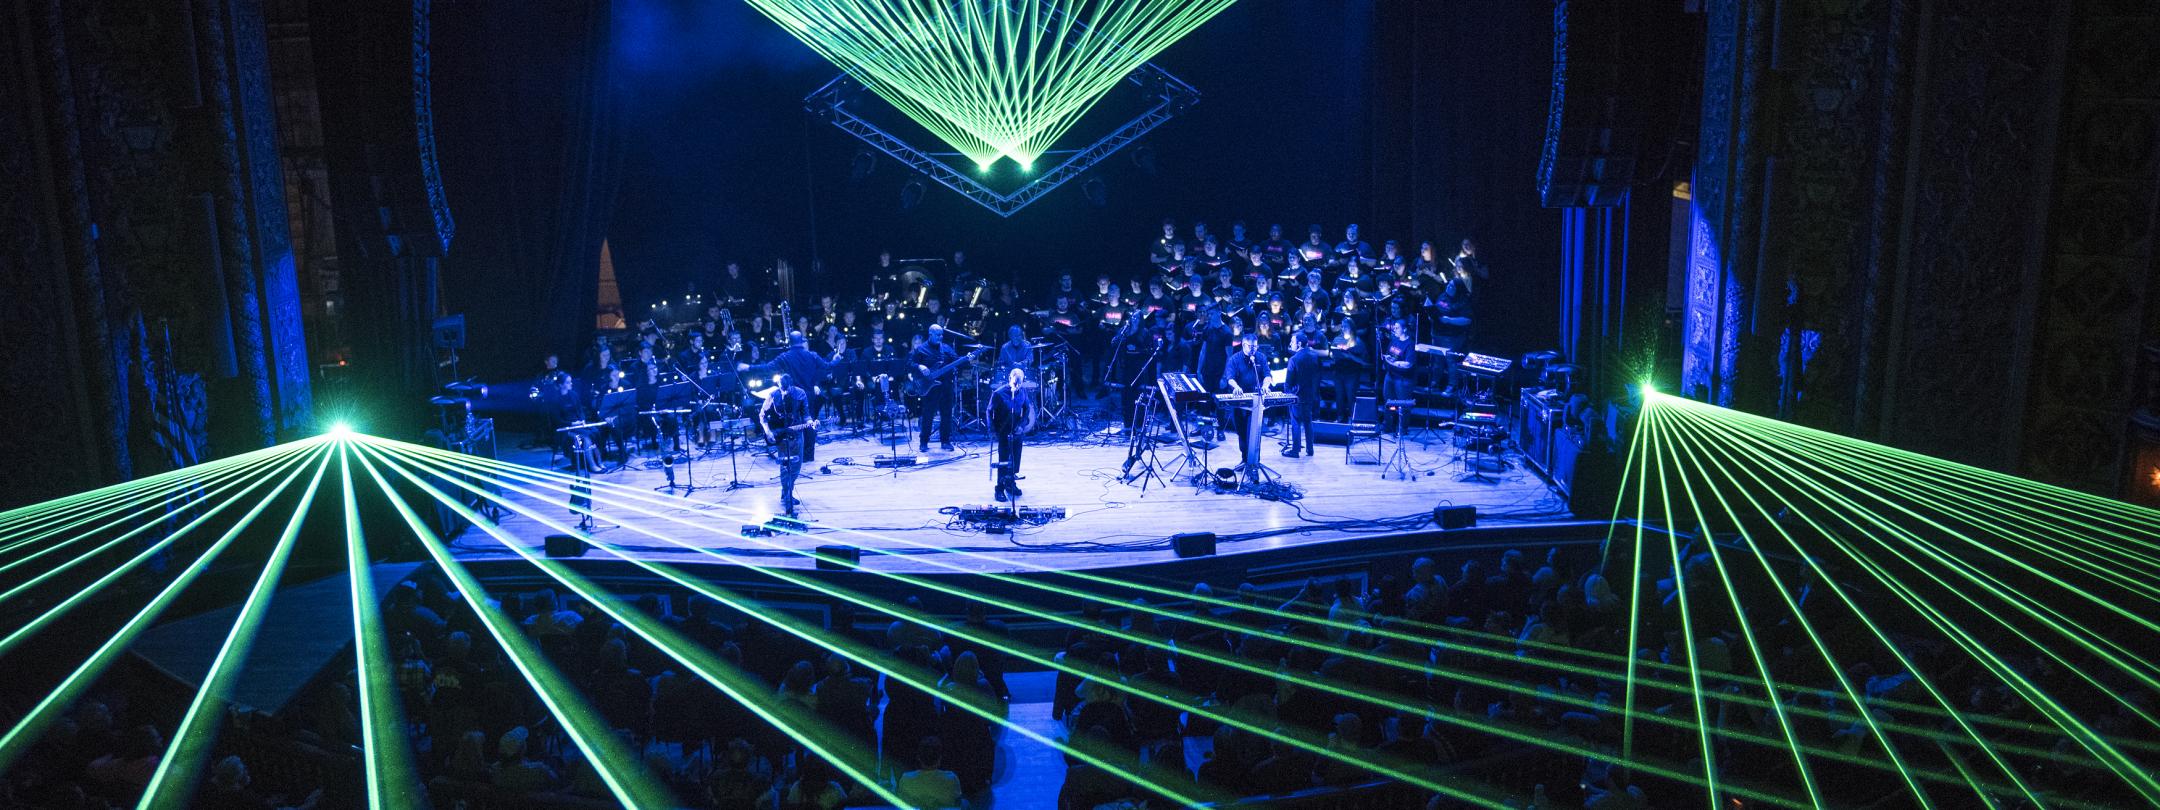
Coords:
pixel 1017 352
pixel 1245 373
pixel 786 419
pixel 934 355
pixel 1399 361
pixel 806 368
pixel 1012 413
pixel 1303 380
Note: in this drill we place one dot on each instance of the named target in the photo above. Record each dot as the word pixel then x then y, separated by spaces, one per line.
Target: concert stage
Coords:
pixel 1107 522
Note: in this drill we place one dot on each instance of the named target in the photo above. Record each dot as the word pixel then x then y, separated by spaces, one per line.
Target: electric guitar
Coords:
pixel 776 424
pixel 921 384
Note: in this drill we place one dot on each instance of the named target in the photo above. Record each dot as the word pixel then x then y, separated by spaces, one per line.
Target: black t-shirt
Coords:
pixel 934 356
pixel 1008 410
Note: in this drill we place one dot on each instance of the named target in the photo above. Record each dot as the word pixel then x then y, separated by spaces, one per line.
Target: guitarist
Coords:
pixel 786 419
pixel 806 368
pixel 934 361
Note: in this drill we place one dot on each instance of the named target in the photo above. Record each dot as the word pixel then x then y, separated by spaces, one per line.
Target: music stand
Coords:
pixel 581 455
pixel 1140 447
pixel 735 438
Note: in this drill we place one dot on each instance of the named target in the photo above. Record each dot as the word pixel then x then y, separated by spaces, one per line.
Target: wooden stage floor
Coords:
pixel 1108 523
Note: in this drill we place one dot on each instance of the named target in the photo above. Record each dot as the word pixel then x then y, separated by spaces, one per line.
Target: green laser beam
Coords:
pixel 706 666
pixel 392 781
pixel 1474 680
pixel 830 642
pixel 18 740
pixel 112 575
pixel 625 778
pixel 2073 728
pixel 1518 735
pixel 993 79
pixel 173 784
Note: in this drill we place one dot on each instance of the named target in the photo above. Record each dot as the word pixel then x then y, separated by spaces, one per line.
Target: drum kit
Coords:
pixel 1045 377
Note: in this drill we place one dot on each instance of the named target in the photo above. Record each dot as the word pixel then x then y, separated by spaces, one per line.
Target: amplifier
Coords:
pixel 1330 432
pixel 1535 423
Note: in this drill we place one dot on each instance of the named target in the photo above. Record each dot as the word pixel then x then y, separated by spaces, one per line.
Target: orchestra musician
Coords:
pixel 1346 361
pixel 1467 259
pixel 1160 250
pixel 787 423
pixel 938 401
pixel 1398 359
pixel 1315 249
pixel 569 407
pixel 1212 347
pixel 1240 245
pixel 1351 250
pixel 1012 413
pixel 1017 352
pixel 1276 250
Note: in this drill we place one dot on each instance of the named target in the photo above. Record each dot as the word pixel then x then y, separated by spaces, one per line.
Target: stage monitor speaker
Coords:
pixel 1455 517
pixel 563 545
pixel 1193 544
pixel 838 558
pixel 1330 432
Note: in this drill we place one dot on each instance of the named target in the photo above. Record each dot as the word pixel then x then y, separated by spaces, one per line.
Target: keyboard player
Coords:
pixel 1245 373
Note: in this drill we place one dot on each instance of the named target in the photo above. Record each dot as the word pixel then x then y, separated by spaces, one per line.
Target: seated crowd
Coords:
pixel 1506 679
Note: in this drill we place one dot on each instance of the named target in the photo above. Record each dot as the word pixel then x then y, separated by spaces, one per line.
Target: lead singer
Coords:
pixel 1012 413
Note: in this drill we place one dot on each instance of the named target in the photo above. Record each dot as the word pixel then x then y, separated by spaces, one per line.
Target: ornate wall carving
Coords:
pixel 2096 286
pixel 1979 160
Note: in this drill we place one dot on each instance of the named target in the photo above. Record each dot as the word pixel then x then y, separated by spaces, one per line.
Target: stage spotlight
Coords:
pixel 911 193
pixel 1027 167
pixel 862 166
pixel 340 429
pixel 985 166
pixel 1098 192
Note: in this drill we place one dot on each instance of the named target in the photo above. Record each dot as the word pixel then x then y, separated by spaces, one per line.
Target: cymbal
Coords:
pixel 663 411
pixel 447 401
pixel 1041 344
pixel 581 426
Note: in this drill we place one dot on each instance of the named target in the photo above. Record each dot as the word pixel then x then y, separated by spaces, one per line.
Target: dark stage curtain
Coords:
pixel 527 111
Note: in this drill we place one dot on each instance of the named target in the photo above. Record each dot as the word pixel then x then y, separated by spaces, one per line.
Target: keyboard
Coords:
pixel 1272 399
pixel 1183 388
pixel 1485 364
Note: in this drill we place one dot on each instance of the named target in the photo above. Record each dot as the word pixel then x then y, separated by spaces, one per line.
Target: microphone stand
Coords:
pixel 689 460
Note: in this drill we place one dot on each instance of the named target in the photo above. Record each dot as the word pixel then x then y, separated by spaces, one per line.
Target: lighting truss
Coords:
pixel 1740 510
pixel 1038 42
pixel 1168 96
